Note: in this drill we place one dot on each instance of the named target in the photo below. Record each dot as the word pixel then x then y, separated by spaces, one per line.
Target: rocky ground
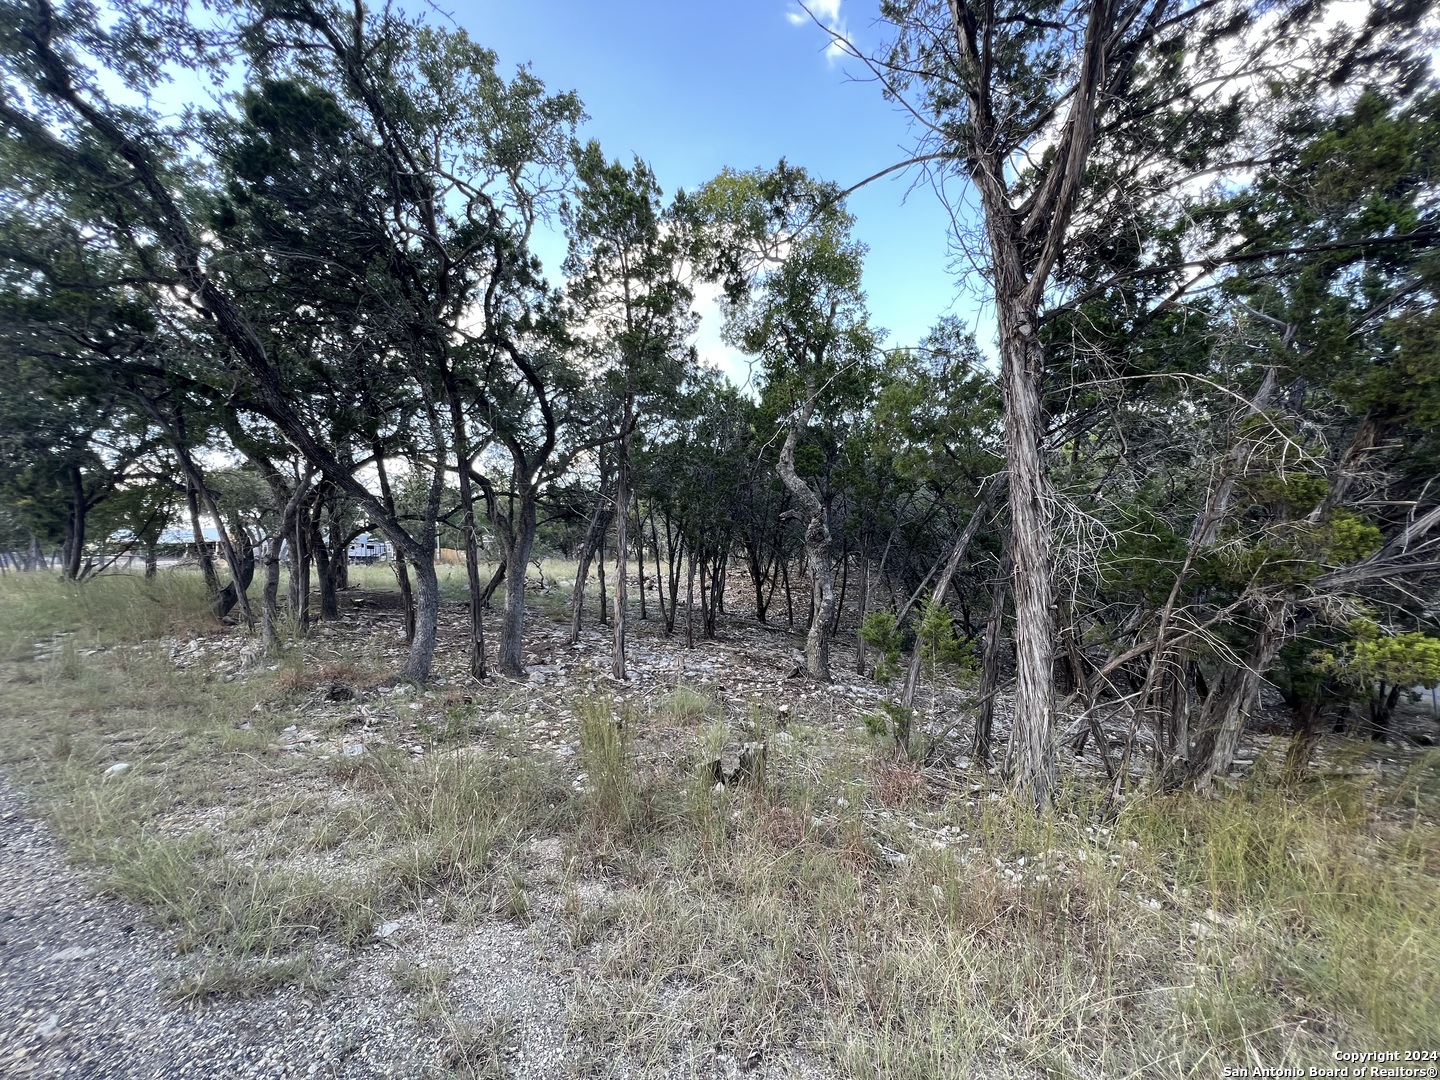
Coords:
pixel 88 984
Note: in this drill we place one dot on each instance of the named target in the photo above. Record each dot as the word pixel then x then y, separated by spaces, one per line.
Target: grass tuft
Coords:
pixel 242 979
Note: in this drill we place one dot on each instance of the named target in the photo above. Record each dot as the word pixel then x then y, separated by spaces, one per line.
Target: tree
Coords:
pixel 1066 120
pixel 625 268
pixel 468 161
pixel 781 243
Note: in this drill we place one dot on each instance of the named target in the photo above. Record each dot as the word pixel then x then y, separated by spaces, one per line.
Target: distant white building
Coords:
pixel 183 534
pixel 367 549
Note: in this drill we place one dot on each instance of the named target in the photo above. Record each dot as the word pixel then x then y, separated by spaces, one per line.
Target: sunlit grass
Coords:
pixel 454 584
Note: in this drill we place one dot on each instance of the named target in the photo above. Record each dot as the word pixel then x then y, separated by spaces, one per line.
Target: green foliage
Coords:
pixel 893 719
pixel 881 632
pixel 1407 659
pixel 781 244
pixel 1345 538
pixel 937 641
pixel 1287 494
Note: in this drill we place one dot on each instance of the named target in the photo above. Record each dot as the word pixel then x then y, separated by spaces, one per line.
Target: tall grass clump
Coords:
pixel 1317 909
pixel 687 705
pixel 619 803
pixel 452 823
pixel 110 609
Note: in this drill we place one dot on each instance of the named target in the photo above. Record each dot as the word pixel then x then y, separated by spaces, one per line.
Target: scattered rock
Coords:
pixel 75 952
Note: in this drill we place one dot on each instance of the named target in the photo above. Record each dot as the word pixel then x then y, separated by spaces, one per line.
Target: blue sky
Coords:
pixel 693 87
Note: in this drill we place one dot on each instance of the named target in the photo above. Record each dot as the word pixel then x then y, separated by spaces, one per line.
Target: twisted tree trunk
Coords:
pixel 817 543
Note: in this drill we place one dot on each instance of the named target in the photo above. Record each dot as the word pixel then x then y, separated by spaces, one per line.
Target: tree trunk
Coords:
pixel 704 598
pixel 496 580
pixel 817 544
pixel 674 570
pixel 207 564
pixel 238 596
pixel 640 556
pixel 1305 739
pixel 957 554
pixel 402 573
pixel 599 521
pixel 477 596
pixel 863 600
pixel 329 602
pixel 270 594
pixel 754 553
pixel 666 614
pixel 715 606
pixel 302 579
pixel 622 546
pixel 427 616
pixel 270 599
pixel 1031 751
pixel 1222 720
pixel 510 655
pixel 339 547
pixel 982 747
pixel 690 600
pixel 461 440
pixel 75 528
pixel 1382 710
pixel 600 574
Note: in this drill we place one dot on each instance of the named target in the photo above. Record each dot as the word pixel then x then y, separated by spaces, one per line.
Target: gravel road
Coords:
pixel 82 994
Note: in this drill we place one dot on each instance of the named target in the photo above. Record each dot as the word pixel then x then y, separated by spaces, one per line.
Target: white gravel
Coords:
pixel 82 982
pixel 83 978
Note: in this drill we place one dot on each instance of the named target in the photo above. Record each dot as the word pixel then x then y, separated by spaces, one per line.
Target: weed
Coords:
pixel 414 977
pixel 617 802
pixel 513 901
pixel 244 978
pixel 686 705
pixel 897 785
pixel 478 1050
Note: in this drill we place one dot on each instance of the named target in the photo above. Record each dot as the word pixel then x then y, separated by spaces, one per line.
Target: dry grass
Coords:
pixel 893 921
pixel 109 610
pixel 901 933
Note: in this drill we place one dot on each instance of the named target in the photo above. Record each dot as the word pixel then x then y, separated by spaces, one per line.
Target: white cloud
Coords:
pixel 827 13
pixel 710 347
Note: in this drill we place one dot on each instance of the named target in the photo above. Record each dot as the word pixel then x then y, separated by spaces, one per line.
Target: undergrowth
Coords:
pixel 847 903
